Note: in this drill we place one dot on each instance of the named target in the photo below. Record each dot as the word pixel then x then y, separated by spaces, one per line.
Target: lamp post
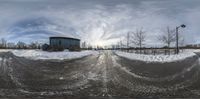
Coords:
pixel 177 37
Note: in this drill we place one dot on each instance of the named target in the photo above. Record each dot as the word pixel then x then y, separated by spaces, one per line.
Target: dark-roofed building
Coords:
pixel 64 43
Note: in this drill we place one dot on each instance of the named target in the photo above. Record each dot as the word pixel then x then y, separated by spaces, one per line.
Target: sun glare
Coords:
pixel 99 43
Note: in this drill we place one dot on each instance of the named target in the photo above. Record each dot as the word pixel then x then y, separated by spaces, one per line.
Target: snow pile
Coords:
pixel 157 58
pixel 38 54
pixel 194 50
pixel 5 50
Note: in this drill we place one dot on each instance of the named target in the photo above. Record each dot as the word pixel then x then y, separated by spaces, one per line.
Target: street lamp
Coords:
pixel 177 38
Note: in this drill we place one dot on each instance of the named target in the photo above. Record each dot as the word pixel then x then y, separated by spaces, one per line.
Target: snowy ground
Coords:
pixel 39 54
pixel 44 55
pixel 99 76
pixel 158 58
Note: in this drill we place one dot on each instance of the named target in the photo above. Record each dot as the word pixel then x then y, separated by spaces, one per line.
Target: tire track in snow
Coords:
pixel 136 86
pixel 108 76
pixel 168 78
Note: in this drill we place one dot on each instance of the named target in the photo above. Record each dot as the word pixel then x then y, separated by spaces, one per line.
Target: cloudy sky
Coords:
pixel 99 22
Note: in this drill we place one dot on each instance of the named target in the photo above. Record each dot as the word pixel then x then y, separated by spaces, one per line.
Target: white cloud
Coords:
pixel 102 21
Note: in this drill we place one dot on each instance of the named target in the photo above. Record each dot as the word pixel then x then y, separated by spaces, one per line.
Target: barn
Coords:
pixel 64 43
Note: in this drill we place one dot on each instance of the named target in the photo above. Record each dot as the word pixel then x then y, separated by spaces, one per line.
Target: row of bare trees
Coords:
pixel 167 37
pixel 138 39
pixel 4 44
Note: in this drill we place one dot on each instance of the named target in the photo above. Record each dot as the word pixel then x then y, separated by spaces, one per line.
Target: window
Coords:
pixel 59 42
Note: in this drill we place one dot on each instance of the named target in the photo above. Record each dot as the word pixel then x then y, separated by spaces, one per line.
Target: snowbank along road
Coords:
pixel 103 75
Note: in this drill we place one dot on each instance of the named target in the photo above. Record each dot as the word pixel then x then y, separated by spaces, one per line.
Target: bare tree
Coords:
pixel 181 40
pixel 33 45
pixel 128 40
pixel 21 45
pixel 11 45
pixel 83 45
pixel 128 37
pixel 138 38
pixel 167 37
pixel 3 43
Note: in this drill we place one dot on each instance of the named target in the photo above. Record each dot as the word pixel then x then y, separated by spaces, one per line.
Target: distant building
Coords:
pixel 64 43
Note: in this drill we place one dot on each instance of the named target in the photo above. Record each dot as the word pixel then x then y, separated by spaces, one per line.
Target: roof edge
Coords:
pixel 54 37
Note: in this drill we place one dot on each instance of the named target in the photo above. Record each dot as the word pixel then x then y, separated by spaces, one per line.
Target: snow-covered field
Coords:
pixel 158 58
pixel 44 55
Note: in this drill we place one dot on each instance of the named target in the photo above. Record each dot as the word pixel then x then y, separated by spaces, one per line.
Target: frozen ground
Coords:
pixel 101 76
pixel 44 55
pixel 158 58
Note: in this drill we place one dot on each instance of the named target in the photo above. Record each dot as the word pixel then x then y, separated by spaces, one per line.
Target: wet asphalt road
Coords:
pixel 98 76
